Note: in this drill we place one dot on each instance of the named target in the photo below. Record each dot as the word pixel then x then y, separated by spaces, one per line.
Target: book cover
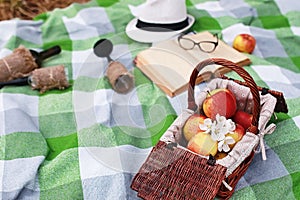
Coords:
pixel 169 66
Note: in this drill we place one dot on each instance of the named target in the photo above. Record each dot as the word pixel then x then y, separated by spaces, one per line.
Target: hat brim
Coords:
pixel 151 36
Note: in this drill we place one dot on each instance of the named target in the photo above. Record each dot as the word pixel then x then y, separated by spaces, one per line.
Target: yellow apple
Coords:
pixel 237 134
pixel 203 144
pixel 244 43
pixel 191 126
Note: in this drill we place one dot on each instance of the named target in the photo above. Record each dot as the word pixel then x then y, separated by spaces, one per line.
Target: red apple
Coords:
pixel 203 144
pixel 237 134
pixel 243 118
pixel 219 101
pixel 191 126
pixel 244 43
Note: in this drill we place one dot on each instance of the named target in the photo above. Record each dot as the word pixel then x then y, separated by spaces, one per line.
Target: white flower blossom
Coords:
pixel 220 119
pixel 218 130
pixel 230 125
pixel 225 124
pixel 224 144
pixel 206 126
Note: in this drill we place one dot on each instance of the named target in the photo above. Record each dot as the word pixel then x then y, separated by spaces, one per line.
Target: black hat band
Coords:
pixel 162 27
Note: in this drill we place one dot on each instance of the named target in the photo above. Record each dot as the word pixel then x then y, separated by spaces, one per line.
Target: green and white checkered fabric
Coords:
pixel 87 142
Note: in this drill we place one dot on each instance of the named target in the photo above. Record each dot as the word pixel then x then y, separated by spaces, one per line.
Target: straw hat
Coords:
pixel 157 20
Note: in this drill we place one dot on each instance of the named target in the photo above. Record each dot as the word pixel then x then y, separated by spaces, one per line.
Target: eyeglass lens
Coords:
pixel 207 46
pixel 186 43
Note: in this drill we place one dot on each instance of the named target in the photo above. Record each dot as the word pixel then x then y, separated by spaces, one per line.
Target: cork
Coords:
pixel 121 80
pixel 20 63
pixel 48 78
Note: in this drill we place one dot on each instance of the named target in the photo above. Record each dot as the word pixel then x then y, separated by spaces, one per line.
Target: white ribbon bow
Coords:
pixel 267 131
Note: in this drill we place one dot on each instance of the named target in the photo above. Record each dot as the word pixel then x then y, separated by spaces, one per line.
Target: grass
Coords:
pixel 27 9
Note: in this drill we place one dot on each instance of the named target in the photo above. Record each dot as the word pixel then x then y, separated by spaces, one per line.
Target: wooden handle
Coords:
pixel 241 72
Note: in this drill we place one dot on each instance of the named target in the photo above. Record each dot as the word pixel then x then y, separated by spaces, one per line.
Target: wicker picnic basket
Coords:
pixel 171 171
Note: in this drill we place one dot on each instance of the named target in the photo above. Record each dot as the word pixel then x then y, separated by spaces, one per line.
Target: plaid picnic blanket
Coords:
pixel 87 142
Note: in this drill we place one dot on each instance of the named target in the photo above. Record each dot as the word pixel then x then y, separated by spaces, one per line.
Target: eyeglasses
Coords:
pixel 205 46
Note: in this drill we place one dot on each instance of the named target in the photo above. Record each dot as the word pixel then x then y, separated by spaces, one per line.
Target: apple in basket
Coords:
pixel 237 134
pixel 244 43
pixel 191 126
pixel 219 101
pixel 203 144
pixel 243 118
pixel 220 155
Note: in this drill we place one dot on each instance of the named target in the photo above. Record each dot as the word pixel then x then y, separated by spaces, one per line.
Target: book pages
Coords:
pixel 170 66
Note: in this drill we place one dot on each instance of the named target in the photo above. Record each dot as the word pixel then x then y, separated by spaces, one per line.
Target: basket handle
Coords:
pixel 241 72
